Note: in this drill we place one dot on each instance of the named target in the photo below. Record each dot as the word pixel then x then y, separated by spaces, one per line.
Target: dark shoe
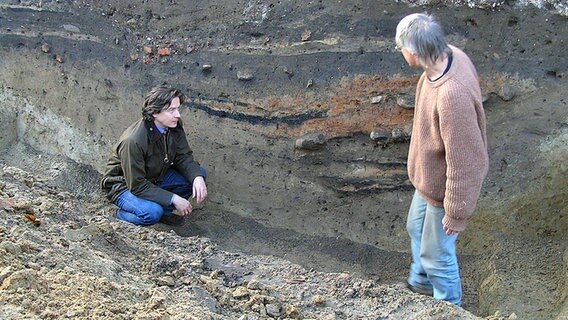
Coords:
pixel 172 220
pixel 420 289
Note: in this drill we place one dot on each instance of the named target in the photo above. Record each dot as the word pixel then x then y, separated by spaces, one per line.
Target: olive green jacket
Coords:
pixel 142 156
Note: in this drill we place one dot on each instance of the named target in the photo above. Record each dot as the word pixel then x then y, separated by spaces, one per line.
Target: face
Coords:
pixel 168 117
pixel 410 58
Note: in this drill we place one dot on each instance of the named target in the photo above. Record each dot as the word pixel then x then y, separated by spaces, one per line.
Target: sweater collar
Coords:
pixel 451 70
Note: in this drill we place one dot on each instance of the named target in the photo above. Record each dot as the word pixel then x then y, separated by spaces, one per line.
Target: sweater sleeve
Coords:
pixel 466 154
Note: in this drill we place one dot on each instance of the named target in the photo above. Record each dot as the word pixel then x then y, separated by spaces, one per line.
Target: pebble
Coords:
pixel 10 247
pixel 380 135
pixel 405 101
pixel 311 141
pixel 318 300
pixel 245 75
pixel 71 28
pixel 273 310
pixel 507 92
pixel 240 293
pixel 376 100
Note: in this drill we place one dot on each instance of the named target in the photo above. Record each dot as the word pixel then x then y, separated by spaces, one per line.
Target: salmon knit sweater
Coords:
pixel 447 160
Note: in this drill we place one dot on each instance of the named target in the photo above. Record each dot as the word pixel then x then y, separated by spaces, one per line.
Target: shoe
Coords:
pixel 172 219
pixel 420 289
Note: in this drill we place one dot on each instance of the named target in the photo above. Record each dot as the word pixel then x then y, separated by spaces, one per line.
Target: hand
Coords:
pixel 182 205
pixel 199 189
pixel 449 231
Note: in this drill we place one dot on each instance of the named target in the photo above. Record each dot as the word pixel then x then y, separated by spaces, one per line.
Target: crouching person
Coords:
pixel 151 170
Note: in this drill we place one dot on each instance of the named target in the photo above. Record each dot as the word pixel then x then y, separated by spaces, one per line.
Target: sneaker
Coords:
pixel 172 219
pixel 420 289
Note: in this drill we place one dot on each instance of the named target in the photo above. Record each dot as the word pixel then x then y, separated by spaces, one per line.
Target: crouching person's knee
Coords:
pixel 152 214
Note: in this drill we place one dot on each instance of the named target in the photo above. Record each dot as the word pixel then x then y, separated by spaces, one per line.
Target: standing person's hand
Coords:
pixel 182 205
pixel 199 189
pixel 449 231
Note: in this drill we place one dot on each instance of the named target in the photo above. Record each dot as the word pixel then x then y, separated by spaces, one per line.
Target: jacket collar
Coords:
pixel 153 131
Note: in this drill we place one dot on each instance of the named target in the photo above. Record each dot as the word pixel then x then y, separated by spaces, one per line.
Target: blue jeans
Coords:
pixel 145 212
pixel 434 261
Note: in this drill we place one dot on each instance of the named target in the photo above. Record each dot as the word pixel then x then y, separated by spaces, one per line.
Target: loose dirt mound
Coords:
pixel 64 257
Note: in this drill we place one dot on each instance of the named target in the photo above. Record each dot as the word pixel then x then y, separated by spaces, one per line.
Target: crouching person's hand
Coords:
pixel 182 205
pixel 199 189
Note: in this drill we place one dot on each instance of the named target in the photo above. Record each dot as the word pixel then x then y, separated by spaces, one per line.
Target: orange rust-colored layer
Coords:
pixel 348 108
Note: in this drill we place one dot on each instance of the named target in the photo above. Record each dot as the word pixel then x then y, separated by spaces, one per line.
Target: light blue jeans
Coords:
pixel 434 261
pixel 144 212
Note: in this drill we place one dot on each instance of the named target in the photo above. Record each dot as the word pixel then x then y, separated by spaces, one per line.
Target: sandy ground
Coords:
pixel 63 256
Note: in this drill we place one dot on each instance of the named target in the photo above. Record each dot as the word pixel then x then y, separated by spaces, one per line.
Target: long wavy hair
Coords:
pixel 159 98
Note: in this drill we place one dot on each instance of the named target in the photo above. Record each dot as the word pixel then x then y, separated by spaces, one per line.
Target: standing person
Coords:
pixel 447 159
pixel 151 170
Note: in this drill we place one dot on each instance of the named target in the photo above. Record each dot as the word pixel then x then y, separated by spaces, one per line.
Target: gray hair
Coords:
pixel 159 98
pixel 421 34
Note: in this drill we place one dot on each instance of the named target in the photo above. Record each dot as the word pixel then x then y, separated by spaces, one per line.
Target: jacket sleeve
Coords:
pixel 183 161
pixel 134 167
